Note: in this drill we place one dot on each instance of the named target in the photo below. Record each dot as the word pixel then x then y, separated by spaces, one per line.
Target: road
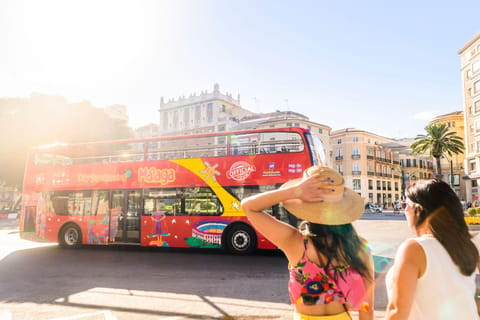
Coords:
pixel 41 281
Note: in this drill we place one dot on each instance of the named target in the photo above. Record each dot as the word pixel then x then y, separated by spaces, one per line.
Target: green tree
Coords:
pixel 438 143
pixel 41 120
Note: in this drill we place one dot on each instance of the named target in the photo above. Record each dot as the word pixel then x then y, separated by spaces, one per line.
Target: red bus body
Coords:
pixel 143 198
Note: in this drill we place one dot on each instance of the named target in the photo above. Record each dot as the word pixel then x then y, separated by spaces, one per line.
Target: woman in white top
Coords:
pixel 433 276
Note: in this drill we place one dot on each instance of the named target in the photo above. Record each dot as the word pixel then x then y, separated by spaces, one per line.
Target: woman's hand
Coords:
pixel 314 188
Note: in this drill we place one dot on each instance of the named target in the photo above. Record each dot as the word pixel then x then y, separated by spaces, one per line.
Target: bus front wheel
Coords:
pixel 241 239
pixel 70 236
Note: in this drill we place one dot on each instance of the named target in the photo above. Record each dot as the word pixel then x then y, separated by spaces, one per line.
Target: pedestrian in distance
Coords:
pixel 433 275
pixel 330 266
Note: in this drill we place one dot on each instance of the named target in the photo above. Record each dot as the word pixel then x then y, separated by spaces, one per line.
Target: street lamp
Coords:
pixel 452 180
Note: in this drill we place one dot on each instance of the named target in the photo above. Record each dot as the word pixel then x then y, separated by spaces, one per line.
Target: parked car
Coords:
pixel 373 208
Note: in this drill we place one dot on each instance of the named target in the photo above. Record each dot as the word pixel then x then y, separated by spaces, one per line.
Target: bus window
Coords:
pixel 200 202
pixel 100 205
pixel 241 192
pixel 166 206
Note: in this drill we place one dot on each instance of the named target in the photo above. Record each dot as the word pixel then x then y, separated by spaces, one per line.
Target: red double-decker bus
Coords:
pixel 182 191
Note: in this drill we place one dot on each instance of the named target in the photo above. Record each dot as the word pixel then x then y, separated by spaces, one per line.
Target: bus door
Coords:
pixel 125 216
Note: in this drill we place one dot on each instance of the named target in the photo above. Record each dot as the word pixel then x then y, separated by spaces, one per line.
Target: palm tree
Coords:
pixel 438 142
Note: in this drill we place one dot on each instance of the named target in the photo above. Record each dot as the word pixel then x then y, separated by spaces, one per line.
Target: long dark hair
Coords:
pixel 340 243
pixel 442 206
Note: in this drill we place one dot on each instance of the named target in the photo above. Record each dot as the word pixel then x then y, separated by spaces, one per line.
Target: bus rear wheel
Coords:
pixel 70 236
pixel 241 239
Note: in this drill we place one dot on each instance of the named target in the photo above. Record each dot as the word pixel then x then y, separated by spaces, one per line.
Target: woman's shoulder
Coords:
pixel 410 251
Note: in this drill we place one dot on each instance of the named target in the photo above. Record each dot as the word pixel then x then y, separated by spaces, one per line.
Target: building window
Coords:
pixel 296 124
pixel 477 106
pixel 355 139
pixel 356 168
pixel 476 87
pixel 339 141
pixel 477 126
pixel 289 124
pixel 472 165
pixel 355 152
pixel 320 130
pixel 356 184
pixel 476 66
pixel 210 112
pixel 340 168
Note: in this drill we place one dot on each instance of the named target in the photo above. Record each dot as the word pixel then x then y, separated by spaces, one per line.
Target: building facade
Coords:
pixel 453 168
pixel 470 73
pixel 368 164
pixel 203 113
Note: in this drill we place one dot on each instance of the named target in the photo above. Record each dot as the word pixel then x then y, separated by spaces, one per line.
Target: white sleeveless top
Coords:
pixel 442 291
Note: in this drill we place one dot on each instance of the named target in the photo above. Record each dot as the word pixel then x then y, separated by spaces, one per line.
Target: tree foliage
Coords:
pixel 40 120
pixel 438 142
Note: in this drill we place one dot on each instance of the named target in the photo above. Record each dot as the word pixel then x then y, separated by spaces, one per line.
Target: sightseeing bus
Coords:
pixel 181 191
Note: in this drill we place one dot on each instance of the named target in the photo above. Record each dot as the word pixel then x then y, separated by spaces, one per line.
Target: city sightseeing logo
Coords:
pixel 240 170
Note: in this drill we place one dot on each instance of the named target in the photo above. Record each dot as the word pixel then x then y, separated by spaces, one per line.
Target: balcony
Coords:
pixel 370 173
pixel 338 158
pixel 355 156
pixel 356 173
pixel 369 157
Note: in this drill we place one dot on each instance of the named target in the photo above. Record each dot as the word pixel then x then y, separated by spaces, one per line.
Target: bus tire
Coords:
pixel 70 236
pixel 240 239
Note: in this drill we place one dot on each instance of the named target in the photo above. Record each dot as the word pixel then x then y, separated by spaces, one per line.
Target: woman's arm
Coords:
pixel 410 263
pixel 367 312
pixel 279 233
pixel 477 291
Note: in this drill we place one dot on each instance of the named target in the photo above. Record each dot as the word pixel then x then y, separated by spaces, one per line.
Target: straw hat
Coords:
pixel 341 206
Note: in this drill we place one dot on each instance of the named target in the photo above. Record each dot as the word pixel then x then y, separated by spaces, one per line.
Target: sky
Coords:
pixel 380 66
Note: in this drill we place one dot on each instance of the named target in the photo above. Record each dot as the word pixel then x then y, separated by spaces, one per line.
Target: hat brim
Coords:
pixel 350 208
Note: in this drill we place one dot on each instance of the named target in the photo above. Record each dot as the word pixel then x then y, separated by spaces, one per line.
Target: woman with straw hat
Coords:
pixel 331 269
